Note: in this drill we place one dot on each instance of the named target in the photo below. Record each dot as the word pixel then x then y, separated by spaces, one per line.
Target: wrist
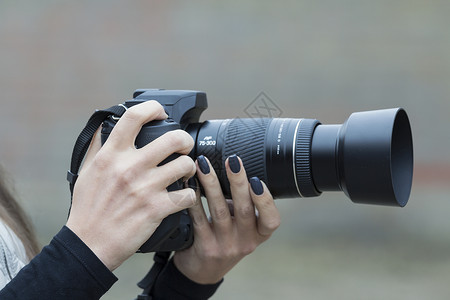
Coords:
pixel 195 272
pixel 172 284
pixel 96 246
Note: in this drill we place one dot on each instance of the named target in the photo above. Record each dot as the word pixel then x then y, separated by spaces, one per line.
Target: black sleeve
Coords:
pixel 65 269
pixel 172 284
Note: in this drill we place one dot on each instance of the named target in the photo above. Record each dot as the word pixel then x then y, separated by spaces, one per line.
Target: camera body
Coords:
pixel 183 107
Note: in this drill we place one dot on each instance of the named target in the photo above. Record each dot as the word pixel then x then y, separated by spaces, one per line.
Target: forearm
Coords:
pixel 65 269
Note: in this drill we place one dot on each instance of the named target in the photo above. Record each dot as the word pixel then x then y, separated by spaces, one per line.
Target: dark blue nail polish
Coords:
pixel 203 164
pixel 234 163
pixel 256 185
pixel 192 183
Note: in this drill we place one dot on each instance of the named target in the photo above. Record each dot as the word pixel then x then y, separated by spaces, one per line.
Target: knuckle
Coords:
pixel 273 224
pixel 102 161
pixel 155 103
pixel 221 213
pixel 187 140
pixel 239 251
pixel 245 212
pixel 198 220
pixel 248 248
pixel 140 110
pixel 126 176
pixel 235 252
pixel 211 253
pixel 186 164
pixel 132 113
pixel 228 253
pixel 179 139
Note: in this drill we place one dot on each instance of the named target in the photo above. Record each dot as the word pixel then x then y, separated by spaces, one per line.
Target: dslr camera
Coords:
pixel 369 157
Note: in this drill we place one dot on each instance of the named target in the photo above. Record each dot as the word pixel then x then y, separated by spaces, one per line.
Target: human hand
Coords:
pixel 120 196
pixel 234 231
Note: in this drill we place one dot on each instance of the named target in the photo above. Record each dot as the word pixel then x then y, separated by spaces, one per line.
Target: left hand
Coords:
pixel 234 231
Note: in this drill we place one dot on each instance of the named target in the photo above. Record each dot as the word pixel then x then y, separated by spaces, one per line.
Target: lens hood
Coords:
pixel 375 157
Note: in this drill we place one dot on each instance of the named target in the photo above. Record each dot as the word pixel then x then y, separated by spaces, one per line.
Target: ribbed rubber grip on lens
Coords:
pixel 303 172
pixel 245 137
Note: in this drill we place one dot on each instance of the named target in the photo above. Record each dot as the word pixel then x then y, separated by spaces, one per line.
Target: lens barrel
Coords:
pixel 369 157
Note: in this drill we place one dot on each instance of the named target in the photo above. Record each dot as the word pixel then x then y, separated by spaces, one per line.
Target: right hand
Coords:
pixel 120 196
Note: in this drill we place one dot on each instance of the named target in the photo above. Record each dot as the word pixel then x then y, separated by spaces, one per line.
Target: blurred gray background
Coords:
pixel 60 60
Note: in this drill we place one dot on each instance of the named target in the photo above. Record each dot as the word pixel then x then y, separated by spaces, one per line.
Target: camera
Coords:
pixel 369 157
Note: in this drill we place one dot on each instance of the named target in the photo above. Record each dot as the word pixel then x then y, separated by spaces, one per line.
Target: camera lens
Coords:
pixel 369 157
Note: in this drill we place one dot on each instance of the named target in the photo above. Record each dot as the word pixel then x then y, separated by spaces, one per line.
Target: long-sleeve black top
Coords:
pixel 68 269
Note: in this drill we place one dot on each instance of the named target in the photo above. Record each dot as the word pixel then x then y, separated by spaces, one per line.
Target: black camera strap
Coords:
pixel 147 283
pixel 79 152
pixel 85 138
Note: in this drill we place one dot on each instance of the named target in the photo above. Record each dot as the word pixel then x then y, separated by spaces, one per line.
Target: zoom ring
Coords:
pixel 303 172
pixel 245 138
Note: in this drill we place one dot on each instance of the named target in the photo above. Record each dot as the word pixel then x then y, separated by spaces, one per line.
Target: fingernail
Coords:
pixel 192 183
pixel 256 185
pixel 203 164
pixel 234 163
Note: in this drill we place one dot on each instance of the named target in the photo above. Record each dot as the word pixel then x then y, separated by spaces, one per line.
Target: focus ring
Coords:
pixel 305 183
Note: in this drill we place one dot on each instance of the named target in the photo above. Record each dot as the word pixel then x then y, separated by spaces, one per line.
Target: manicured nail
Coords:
pixel 192 183
pixel 256 185
pixel 203 164
pixel 234 163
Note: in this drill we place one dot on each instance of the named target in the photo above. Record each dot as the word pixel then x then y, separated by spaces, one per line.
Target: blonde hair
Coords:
pixel 14 216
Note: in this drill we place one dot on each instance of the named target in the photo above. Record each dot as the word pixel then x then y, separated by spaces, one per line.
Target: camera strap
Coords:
pixel 147 283
pixel 84 140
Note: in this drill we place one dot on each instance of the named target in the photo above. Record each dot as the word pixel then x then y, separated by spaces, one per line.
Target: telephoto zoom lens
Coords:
pixel 369 157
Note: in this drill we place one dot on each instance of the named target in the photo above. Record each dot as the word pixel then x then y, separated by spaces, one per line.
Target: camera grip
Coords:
pixel 175 231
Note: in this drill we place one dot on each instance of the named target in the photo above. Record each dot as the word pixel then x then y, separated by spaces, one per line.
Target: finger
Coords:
pixel 178 200
pixel 175 141
pixel 183 167
pixel 244 210
pixel 202 228
pixel 127 128
pixel 218 207
pixel 94 147
pixel 269 217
